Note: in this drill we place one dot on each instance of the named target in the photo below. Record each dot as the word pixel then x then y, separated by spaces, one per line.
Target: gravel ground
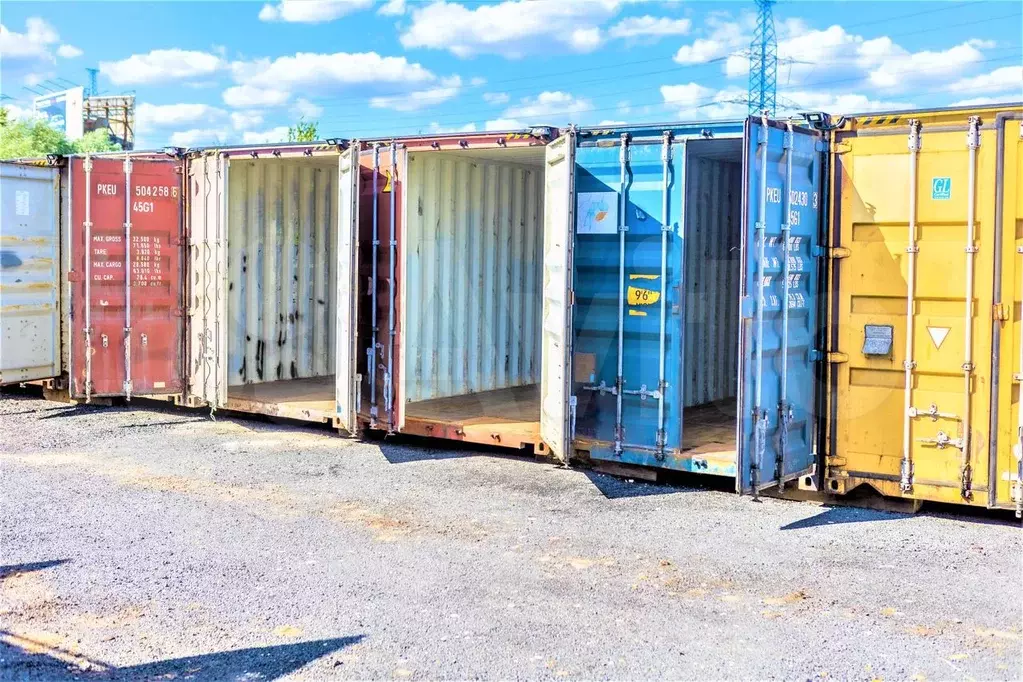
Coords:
pixel 144 542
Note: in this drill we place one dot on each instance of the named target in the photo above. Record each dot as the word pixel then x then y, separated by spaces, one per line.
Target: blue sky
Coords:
pixel 232 72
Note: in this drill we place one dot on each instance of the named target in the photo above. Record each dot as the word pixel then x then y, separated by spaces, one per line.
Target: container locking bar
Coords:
pixel 784 408
pixel 973 144
pixel 661 436
pixel 906 472
pixel 127 277
pixel 623 159
pixel 371 352
pixel 393 247
pixel 759 413
pixel 87 224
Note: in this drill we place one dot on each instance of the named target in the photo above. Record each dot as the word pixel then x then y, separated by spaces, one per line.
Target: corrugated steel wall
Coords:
pixel 474 256
pixel 29 273
pixel 282 243
pixel 712 278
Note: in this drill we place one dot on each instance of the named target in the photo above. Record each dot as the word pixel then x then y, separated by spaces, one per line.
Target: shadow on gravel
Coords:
pixel 17 569
pixel 832 516
pixel 168 422
pixel 26 659
pixel 614 488
pixel 75 411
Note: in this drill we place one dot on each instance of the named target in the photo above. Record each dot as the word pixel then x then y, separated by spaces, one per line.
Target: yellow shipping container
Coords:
pixel 925 311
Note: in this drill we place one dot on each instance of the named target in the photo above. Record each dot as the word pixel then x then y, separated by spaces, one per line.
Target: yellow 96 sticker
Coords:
pixel 638 296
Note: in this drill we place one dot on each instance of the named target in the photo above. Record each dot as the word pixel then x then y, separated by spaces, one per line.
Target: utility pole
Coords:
pixel 763 62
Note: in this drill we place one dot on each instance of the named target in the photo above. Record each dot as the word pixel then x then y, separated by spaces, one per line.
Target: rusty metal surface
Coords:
pixel 119 347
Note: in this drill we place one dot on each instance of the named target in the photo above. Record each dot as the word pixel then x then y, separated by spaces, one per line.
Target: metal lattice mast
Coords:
pixel 763 62
pixel 93 89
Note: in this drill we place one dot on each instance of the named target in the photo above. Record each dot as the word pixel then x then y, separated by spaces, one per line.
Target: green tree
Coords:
pixel 35 139
pixel 95 141
pixel 304 132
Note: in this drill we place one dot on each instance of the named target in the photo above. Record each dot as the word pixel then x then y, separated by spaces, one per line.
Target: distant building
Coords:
pixel 74 114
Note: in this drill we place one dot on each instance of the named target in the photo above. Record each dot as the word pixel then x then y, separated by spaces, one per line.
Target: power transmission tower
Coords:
pixel 763 62
pixel 93 89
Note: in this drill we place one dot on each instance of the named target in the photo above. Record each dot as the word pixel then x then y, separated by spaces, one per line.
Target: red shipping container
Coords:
pixel 127 321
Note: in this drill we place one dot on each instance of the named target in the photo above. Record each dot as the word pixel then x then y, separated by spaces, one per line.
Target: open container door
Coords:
pixel 207 309
pixel 777 404
pixel 559 225
pixel 29 275
pixel 347 379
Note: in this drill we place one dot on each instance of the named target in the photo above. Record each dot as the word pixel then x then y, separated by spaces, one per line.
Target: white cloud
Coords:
pixel 278 134
pixel 650 27
pixel 838 103
pixel 265 82
pixel 34 43
pixel 27 56
pixel 307 109
pixel 609 122
pixel 244 120
pixel 310 11
pixel 984 101
pixel 17 112
pixel 496 97
pixel 159 66
pixel 807 55
pixel 556 104
pixel 1005 79
pixel 69 52
pixel 197 137
pixel 419 99
pixel 242 96
pixel 585 39
pixel 175 115
pixel 504 124
pixel 438 128
pixel 723 37
pixel 695 101
pixel 392 8
pixel 512 28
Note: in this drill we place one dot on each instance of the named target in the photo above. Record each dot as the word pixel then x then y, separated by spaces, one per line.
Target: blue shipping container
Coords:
pixel 694 321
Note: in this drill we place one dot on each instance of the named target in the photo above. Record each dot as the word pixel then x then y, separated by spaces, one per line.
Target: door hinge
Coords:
pixel 834 358
pixel 74 276
pixel 747 307
pixel 834 253
pixel 841 148
pixel 1000 312
pixel 178 312
pixel 820 145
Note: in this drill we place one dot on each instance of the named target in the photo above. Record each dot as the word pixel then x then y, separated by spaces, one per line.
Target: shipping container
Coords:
pixel 925 322
pixel 30 319
pixel 450 268
pixel 124 243
pixel 680 318
pixel 271 280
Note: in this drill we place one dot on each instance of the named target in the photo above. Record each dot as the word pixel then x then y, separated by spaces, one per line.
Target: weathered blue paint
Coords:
pixel 760 466
pixel 691 219
pixel 596 286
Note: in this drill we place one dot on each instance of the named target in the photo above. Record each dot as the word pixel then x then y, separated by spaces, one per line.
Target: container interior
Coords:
pixel 472 287
pixel 282 246
pixel 713 238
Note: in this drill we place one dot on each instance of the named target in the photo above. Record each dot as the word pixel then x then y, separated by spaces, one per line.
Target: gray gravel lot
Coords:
pixel 142 542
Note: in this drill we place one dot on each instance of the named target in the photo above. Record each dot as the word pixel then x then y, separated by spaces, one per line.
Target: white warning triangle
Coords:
pixel 938 335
